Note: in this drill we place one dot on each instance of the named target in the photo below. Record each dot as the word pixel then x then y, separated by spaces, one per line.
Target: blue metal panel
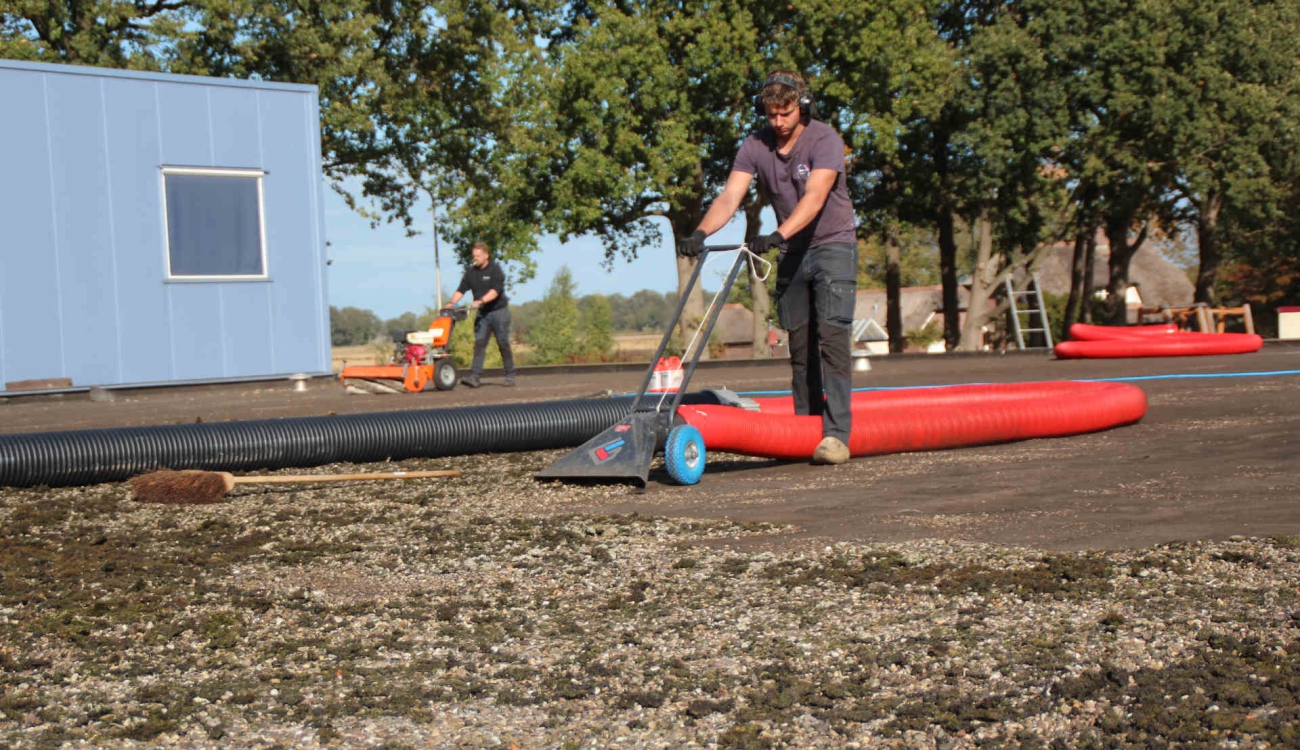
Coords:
pixel 312 136
pixel 186 129
pixel 197 340
pixel 292 261
pixel 83 214
pixel 236 132
pixel 248 347
pixel 83 292
pixel 29 271
pixel 131 117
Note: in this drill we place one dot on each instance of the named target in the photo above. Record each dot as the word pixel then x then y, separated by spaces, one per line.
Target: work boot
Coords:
pixel 831 451
pixel 470 381
pixel 510 381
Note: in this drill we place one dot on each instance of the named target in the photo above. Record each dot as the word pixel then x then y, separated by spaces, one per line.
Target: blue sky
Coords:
pixel 385 271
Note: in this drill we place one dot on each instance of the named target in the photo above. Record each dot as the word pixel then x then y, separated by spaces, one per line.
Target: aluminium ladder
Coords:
pixel 1030 303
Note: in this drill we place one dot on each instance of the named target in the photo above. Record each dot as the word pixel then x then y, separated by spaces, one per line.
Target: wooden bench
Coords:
pixel 1189 318
pixel 1199 317
pixel 1221 315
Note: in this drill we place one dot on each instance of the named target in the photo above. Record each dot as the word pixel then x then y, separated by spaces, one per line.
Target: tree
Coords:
pixel 1232 69
pixel 596 325
pixel 881 73
pixel 352 326
pixel 1016 195
pixel 397 328
pixel 556 334
pixel 917 260
pixel 105 33
pixel 641 111
pixel 1118 55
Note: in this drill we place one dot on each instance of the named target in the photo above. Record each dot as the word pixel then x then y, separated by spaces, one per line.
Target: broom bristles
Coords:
pixel 187 487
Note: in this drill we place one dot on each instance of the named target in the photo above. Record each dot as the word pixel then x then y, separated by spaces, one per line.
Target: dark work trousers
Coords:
pixel 816 291
pixel 486 325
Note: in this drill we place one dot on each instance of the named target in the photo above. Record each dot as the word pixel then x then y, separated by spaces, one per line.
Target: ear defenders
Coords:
pixel 807 106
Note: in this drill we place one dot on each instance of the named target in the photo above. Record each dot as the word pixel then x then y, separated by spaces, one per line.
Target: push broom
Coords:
pixel 192 487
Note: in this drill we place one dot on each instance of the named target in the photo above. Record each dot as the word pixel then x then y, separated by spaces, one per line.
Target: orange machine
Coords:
pixel 422 358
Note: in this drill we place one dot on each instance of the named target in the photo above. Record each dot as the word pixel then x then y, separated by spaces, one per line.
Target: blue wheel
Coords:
pixel 684 454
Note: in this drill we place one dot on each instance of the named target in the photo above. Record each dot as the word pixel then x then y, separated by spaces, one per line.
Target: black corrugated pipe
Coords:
pixel 79 457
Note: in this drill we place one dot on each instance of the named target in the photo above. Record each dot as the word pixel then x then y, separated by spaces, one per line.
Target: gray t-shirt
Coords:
pixel 783 180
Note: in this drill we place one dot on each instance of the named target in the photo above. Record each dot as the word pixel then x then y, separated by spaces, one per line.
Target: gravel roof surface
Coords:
pixel 1017 596
pixel 485 611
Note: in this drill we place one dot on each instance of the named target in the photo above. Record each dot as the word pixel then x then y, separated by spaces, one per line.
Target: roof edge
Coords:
pixel 140 75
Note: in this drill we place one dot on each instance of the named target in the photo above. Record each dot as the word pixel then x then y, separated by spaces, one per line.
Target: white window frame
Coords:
pixel 257 174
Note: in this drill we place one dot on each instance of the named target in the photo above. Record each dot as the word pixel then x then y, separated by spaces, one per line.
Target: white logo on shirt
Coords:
pixel 802 172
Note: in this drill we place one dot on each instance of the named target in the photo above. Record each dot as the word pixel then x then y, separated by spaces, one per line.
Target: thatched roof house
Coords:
pixel 1159 282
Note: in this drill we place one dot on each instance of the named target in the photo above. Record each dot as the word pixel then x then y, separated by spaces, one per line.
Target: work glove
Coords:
pixel 764 242
pixel 693 246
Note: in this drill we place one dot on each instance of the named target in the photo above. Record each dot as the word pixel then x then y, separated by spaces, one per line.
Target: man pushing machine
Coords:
pixel 799 163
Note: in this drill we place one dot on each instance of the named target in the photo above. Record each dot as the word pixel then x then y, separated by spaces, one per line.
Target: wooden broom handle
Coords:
pixel 293 478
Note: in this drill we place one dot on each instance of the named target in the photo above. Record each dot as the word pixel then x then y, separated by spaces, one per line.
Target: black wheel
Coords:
pixel 445 375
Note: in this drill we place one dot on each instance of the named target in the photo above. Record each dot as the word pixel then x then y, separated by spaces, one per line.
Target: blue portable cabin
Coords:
pixel 158 228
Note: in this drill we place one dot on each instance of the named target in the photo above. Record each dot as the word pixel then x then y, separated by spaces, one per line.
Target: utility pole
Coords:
pixel 437 262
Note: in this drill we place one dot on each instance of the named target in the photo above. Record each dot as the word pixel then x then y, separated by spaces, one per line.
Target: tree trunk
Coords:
pixel 1089 276
pixel 1121 255
pixel 1207 236
pixel 948 275
pixel 977 309
pixel 1077 269
pixel 894 293
pixel 947 246
pixel 757 286
pixel 893 268
pixel 684 221
pixel 693 313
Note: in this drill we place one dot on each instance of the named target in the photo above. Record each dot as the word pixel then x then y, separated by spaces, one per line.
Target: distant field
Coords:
pixel 370 353
pixel 637 341
pixel 359 355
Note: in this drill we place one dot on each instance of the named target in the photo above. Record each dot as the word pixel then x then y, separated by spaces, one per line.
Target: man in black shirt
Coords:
pixel 487 282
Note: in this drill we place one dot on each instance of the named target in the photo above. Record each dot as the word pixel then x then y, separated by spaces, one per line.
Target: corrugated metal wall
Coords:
pixel 84 292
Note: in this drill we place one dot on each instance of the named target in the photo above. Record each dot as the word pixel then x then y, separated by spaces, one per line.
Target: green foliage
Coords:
pixel 397 328
pixel 921 338
pixel 1268 280
pixel 1055 304
pixel 644 311
pixel 105 33
pixel 919 266
pixel 596 325
pixel 742 292
pixel 461 346
pixel 556 334
pixel 565 329
pixel 647 107
pixel 351 326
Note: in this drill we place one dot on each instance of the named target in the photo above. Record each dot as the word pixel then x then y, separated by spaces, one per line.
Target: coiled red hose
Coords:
pixel 1107 342
pixel 921 419
pixel 1085 332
